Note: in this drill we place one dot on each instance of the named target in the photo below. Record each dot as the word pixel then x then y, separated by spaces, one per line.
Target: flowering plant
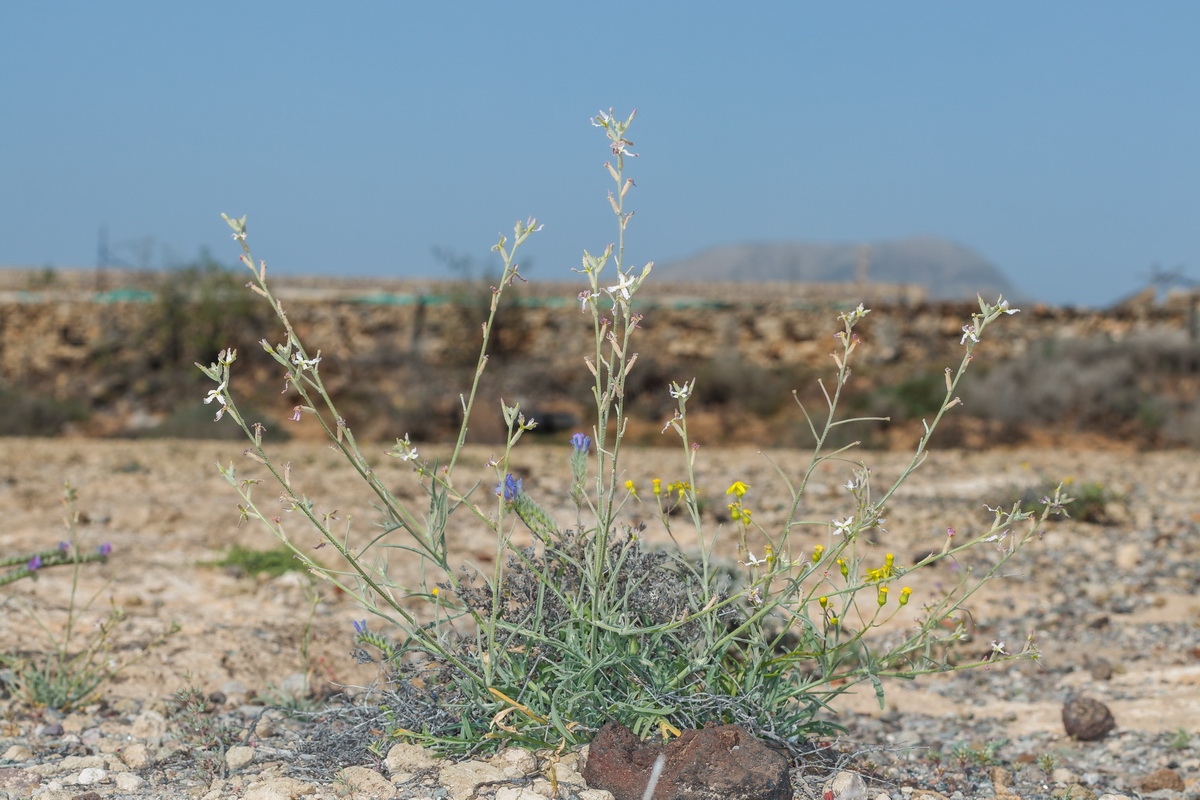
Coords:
pixel 69 675
pixel 588 622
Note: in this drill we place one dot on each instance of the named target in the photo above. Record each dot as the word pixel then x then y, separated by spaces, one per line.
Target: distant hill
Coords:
pixel 947 270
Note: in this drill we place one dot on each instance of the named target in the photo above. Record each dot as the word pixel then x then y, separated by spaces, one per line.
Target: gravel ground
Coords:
pixel 1112 605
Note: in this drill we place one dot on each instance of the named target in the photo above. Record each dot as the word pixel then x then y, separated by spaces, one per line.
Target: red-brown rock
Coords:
pixel 718 763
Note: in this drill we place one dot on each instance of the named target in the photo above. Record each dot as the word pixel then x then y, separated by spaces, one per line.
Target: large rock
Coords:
pixel 718 763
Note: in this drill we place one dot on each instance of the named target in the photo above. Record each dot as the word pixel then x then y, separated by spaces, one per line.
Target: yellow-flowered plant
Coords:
pixel 576 621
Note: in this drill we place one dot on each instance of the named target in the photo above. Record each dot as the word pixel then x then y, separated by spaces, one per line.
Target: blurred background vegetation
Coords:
pixel 120 362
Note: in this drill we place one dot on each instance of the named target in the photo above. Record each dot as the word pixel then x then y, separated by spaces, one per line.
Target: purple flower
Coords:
pixel 64 546
pixel 34 564
pixel 510 488
pixel 360 626
pixel 104 549
pixel 580 442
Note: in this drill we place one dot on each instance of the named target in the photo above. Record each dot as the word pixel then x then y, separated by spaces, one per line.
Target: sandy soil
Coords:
pixel 166 512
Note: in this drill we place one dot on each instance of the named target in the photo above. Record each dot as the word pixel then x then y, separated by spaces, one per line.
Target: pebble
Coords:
pixel 1162 779
pixel 129 782
pixel 846 786
pixel 238 756
pixel 366 783
pixel 91 775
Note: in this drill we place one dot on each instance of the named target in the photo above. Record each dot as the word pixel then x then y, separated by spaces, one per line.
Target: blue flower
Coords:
pixel 360 626
pixel 510 488
pixel 580 442
pixel 34 564
pixel 104 549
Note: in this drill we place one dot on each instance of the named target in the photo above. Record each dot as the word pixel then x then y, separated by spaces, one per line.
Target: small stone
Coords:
pixel 1001 779
pixel 91 775
pixel 1063 775
pixel 137 756
pixel 149 725
pixel 76 722
pixel 845 786
pixel 367 783
pixel 515 758
pixel 1162 779
pixel 928 794
pixel 1075 791
pixel 128 782
pixel 462 778
pixel 517 793
pixel 1128 556
pixel 278 789
pixel 295 684
pixel 73 763
pixel 1101 669
pixel 18 752
pixel 724 762
pixel 239 756
pixel 404 757
pixel 568 776
pixel 596 794
pixel 1110 796
pixel 1087 719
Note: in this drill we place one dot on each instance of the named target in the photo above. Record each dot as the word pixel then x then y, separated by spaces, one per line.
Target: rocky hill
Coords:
pixel 945 270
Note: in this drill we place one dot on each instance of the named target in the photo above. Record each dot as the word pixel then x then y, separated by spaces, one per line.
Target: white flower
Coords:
pixel 755 596
pixel 404 450
pixel 969 332
pixel 622 287
pixel 216 394
pixel 753 562
pixel 682 391
pixel 1002 305
pixel 585 298
pixel 306 363
pixel 851 484
pixel 842 526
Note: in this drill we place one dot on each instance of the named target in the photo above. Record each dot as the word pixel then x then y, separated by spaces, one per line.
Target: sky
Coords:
pixel 1059 140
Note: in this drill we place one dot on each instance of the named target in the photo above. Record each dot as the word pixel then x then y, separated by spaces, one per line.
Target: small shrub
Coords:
pixel 30 414
pixel 201 736
pixel 1090 500
pixel 273 562
pixel 588 624
pixel 67 678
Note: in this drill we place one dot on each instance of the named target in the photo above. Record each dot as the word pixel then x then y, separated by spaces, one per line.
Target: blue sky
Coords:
pixel 1060 140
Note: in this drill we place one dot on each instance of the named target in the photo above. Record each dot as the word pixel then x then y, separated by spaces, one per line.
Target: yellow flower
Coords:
pixel 679 486
pixel 824 601
pixel 845 569
pixel 735 511
pixel 883 593
pixel 631 488
pixel 738 489
pixel 657 484
pixel 904 595
pixel 817 553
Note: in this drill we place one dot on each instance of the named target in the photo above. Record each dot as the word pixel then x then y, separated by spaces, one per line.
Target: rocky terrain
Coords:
pixel 1110 601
